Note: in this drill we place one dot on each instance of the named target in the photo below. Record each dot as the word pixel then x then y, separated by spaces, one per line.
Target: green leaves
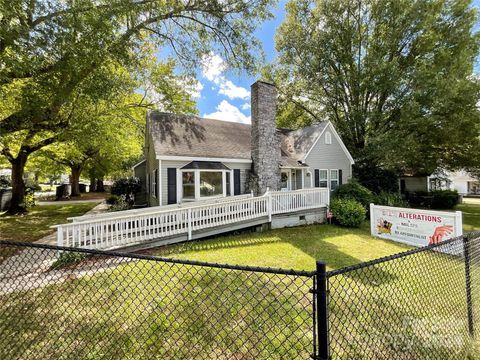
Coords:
pixel 395 77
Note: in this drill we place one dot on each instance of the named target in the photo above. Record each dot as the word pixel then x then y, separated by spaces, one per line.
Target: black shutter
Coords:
pixel 227 181
pixel 340 177
pixel 236 182
pixel 317 178
pixel 172 185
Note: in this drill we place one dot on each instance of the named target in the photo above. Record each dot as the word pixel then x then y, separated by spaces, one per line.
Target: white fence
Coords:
pixel 129 228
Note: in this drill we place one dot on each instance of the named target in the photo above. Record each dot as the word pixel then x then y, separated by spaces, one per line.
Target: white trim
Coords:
pixel 197 184
pixel 190 158
pixel 137 164
pixel 303 179
pixel 342 145
pixel 159 181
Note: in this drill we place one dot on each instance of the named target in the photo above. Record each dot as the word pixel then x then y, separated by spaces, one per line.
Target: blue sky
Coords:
pixel 226 96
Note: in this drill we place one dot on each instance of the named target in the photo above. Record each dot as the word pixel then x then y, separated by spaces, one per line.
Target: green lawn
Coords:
pixel 148 309
pixel 36 223
pixel 471 215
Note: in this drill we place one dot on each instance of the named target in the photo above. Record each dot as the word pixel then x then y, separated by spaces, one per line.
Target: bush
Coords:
pixel 5 182
pixel 444 199
pixel 120 204
pixel 390 199
pixel 355 191
pixel 113 199
pixel 126 186
pixel 348 212
pixel 66 259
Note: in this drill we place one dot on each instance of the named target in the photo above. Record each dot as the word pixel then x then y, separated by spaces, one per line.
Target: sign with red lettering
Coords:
pixel 413 226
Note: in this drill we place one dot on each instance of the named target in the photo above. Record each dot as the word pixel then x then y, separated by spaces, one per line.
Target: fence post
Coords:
pixel 468 286
pixel 269 205
pixel 322 312
pixel 59 236
pixel 189 222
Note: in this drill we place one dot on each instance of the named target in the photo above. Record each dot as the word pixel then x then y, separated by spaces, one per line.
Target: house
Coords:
pixel 187 158
pixel 459 180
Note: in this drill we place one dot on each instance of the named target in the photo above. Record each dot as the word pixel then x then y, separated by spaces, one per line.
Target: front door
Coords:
pixel 285 180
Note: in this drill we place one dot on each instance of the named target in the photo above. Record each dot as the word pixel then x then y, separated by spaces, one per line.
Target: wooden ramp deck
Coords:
pixel 144 228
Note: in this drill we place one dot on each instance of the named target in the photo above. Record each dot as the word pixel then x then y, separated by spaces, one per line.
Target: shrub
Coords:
pixel 5 182
pixel 67 259
pixel 113 199
pixel 126 186
pixel 355 191
pixel 390 199
pixel 121 204
pixel 348 212
pixel 444 199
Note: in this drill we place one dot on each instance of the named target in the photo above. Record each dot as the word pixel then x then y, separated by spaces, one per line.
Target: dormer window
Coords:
pixel 328 138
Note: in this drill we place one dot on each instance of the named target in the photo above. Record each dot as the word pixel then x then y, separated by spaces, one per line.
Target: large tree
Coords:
pixel 53 52
pixel 395 77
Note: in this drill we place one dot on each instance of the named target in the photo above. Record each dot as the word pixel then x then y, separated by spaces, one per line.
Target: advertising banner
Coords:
pixel 413 226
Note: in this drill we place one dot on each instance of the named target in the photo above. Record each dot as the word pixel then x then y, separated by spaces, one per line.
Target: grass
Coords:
pixel 36 223
pixel 471 214
pixel 147 309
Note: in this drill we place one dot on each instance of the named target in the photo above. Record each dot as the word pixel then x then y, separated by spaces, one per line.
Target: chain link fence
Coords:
pixel 59 303
pixel 421 304
pixel 66 304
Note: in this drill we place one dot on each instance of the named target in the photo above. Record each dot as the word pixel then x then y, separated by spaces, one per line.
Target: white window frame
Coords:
pixel 328 138
pixel 326 179
pixel 197 184
pixel 332 179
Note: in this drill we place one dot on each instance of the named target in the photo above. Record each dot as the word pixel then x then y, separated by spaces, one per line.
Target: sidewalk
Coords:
pixel 52 238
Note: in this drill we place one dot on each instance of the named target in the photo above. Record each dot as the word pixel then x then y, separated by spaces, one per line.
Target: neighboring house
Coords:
pixel 441 180
pixel 188 158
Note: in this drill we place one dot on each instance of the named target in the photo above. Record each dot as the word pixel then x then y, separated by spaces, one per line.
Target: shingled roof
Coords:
pixel 187 135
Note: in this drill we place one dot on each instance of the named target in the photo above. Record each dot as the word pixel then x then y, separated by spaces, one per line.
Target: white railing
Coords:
pixel 149 210
pixel 125 228
pixel 289 201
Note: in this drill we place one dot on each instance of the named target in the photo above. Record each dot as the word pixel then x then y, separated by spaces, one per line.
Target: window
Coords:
pixel 323 179
pixel 284 180
pixel 211 183
pixel 154 183
pixel 333 179
pixel 328 138
pixel 188 184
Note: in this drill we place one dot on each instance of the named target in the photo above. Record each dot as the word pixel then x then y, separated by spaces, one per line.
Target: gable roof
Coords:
pixel 194 137
pixel 297 143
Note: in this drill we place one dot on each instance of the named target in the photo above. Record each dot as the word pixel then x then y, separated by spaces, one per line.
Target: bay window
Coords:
pixel 188 184
pixel 211 183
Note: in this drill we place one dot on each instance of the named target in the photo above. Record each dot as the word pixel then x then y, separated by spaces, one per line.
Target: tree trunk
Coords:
pixel 100 187
pixel 17 204
pixel 93 184
pixel 75 179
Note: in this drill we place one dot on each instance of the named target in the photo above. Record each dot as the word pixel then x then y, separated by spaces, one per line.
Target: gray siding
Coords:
pixel 140 172
pixel 243 173
pixel 413 184
pixel 328 156
pixel 152 164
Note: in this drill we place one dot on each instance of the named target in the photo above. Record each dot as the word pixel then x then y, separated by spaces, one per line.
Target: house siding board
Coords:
pixel 152 165
pixel 323 156
pixel 243 167
pixel 164 176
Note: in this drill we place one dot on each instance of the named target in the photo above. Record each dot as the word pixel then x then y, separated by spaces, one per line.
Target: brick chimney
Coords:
pixel 265 142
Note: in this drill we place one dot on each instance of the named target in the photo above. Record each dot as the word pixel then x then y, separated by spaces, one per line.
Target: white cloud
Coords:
pixel 233 91
pixel 228 112
pixel 246 106
pixel 213 67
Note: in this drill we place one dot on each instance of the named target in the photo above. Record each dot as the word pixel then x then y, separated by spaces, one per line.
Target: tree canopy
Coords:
pixel 395 77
